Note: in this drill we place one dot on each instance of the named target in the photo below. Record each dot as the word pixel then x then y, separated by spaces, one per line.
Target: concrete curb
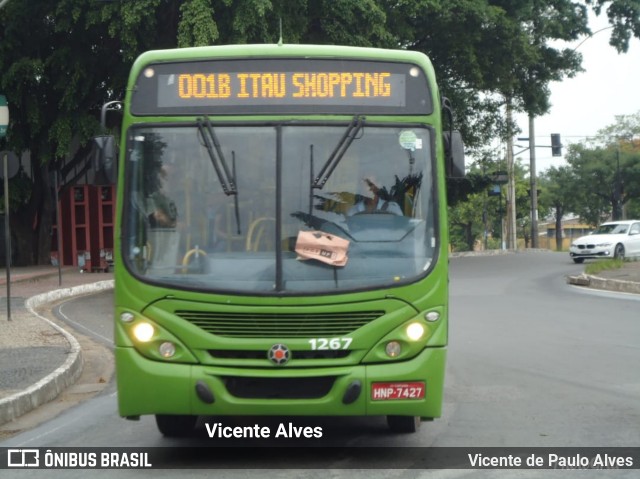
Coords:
pixel 605 284
pixel 49 387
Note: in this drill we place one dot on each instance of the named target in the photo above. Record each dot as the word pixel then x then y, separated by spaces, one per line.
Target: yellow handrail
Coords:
pixel 253 245
pixel 191 252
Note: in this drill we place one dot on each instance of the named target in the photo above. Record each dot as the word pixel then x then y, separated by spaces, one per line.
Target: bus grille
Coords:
pixel 279 388
pixel 289 325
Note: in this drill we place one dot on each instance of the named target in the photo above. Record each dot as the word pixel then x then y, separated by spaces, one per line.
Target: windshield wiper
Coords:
pixel 226 177
pixel 338 152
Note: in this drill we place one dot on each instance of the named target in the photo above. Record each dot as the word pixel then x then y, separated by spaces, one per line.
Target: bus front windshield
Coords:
pixel 277 209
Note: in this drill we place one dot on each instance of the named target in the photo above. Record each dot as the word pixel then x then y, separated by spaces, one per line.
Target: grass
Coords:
pixel 603 265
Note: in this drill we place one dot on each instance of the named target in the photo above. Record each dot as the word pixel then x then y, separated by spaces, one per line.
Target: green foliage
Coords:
pixel 624 16
pixel 633 208
pixel 560 191
pixel 197 26
pixel 474 206
pixel 607 169
pixel 348 22
pixel 603 265
pixel 492 52
pixel 20 189
pixel 466 222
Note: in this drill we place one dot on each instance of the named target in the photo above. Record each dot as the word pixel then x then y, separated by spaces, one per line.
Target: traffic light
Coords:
pixel 556 144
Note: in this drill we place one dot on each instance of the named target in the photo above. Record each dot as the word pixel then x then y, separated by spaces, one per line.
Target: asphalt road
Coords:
pixel 533 362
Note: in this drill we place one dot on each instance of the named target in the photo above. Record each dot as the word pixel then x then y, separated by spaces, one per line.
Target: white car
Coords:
pixel 615 239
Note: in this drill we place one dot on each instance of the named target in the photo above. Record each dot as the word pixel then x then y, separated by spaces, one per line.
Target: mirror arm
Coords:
pixel 106 107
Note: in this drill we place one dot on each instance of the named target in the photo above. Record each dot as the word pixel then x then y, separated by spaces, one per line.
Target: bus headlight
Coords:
pixel 143 332
pixel 415 331
pixel 408 339
pixel 150 339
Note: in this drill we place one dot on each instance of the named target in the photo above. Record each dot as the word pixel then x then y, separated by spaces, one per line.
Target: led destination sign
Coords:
pixel 281 86
pixel 341 86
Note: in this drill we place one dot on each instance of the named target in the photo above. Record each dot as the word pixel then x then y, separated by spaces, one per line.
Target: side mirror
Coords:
pixel 454 154
pixel 104 160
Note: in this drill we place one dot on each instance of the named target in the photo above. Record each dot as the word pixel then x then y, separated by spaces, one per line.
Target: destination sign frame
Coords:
pixel 281 86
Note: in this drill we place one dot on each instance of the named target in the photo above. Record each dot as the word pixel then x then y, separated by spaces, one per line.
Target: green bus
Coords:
pixel 281 236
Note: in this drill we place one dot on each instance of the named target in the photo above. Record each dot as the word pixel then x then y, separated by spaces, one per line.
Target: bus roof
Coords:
pixel 281 51
pixel 282 79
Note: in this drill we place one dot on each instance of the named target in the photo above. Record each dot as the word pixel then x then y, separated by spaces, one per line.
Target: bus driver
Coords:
pixel 375 204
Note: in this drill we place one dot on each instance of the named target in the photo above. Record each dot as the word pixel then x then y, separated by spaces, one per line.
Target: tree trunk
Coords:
pixel 44 222
pixel 21 238
pixel 32 221
pixel 468 233
pixel 559 214
pixel 525 234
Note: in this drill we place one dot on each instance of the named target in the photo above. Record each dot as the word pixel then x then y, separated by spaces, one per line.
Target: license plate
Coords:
pixel 586 251
pixel 391 391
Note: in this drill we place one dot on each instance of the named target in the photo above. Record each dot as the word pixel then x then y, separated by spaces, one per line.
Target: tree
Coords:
pixel 633 208
pixel 520 69
pixel 51 82
pixel 624 17
pixel 560 192
pixel 607 168
pixel 475 209
pixel 491 52
pixel 466 222
pixel 594 170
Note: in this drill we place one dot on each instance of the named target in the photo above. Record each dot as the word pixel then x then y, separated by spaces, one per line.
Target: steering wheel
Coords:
pixel 375 212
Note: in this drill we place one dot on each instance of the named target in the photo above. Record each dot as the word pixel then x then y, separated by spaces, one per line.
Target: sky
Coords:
pixel 580 106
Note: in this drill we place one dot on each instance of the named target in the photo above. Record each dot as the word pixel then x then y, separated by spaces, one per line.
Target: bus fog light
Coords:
pixel 393 349
pixel 127 317
pixel 167 349
pixel 143 332
pixel 415 331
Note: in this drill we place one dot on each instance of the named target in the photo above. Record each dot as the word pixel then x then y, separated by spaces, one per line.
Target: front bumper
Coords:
pixel 152 387
pixel 592 253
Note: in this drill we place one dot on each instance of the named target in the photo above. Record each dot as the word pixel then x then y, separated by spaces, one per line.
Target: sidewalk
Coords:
pixel 38 359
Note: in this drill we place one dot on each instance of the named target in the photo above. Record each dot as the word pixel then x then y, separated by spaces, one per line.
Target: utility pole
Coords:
pixel 534 187
pixel 511 187
pixel 617 187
